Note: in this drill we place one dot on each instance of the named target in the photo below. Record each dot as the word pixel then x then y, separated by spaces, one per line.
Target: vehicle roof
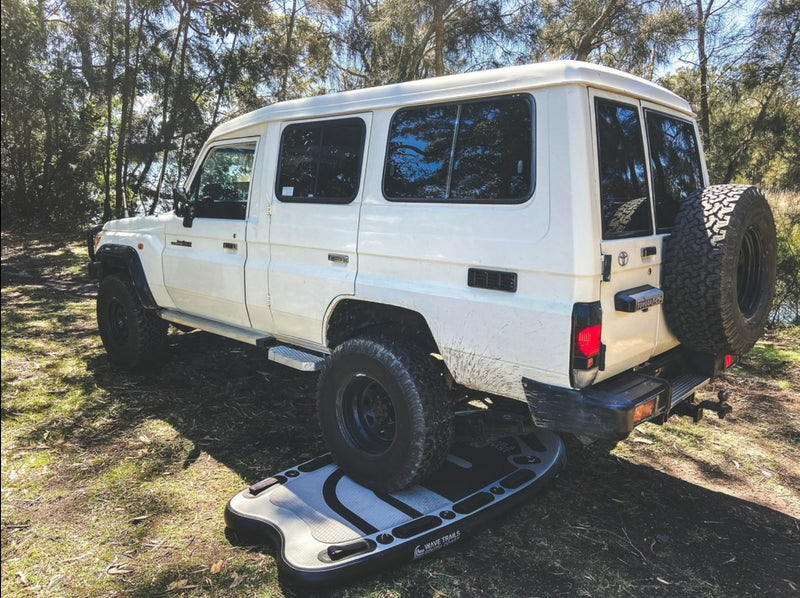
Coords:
pixel 451 87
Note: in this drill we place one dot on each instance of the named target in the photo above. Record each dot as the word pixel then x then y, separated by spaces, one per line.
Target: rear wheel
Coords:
pixel 134 337
pixel 719 269
pixel 384 413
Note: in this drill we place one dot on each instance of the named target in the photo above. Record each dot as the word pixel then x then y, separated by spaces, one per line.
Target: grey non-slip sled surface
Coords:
pixel 327 528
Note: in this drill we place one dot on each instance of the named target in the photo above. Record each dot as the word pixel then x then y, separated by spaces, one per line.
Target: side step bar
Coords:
pixel 245 335
pixel 295 358
pixel 288 356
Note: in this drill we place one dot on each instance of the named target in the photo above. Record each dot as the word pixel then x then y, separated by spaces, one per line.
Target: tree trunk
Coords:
pixel 438 37
pixel 223 82
pixel 170 116
pixel 120 186
pixel 704 117
pixel 287 48
pixel 587 42
pixel 108 92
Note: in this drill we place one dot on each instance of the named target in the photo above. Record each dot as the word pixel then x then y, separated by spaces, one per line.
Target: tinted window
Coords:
pixel 674 164
pixel 623 178
pixel 493 151
pixel 474 151
pixel 321 161
pixel 420 144
pixel 221 187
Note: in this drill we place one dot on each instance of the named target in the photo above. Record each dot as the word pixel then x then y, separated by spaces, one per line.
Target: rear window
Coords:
pixel 623 176
pixel 477 151
pixel 674 164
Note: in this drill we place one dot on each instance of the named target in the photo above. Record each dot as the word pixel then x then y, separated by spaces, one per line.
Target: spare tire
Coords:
pixel 719 269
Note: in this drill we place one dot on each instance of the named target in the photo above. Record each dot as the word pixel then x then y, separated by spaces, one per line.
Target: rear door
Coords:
pixel 676 170
pixel 631 250
pixel 648 161
pixel 314 223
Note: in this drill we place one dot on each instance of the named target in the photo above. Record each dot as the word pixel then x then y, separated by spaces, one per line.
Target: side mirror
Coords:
pixel 179 200
pixel 182 206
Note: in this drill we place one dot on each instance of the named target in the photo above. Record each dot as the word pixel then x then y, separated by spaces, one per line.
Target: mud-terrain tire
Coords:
pixel 384 413
pixel 134 337
pixel 719 269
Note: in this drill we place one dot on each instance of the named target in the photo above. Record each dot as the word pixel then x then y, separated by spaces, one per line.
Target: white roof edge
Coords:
pixel 443 89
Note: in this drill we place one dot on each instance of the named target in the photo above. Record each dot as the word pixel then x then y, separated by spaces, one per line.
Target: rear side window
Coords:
pixel 321 161
pixel 477 151
pixel 674 164
pixel 623 175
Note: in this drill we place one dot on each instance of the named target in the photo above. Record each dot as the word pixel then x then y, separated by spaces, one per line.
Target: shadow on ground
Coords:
pixel 656 532
pixel 607 526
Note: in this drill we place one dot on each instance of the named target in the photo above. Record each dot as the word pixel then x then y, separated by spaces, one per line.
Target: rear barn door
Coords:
pixel 630 247
pixel 648 161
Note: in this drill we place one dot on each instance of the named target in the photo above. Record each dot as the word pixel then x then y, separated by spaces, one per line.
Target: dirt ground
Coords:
pixel 114 484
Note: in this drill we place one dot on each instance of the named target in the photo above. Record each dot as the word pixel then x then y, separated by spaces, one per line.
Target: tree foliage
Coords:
pixel 105 104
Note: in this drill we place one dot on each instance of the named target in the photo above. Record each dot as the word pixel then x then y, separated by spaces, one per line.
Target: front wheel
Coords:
pixel 134 337
pixel 383 411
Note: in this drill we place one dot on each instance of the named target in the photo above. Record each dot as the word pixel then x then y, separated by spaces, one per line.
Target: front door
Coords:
pixel 204 261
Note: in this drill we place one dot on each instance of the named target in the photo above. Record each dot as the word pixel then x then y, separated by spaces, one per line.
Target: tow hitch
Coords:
pixel 694 410
pixel 480 427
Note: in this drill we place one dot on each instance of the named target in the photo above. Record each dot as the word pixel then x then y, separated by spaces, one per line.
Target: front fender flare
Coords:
pixel 116 258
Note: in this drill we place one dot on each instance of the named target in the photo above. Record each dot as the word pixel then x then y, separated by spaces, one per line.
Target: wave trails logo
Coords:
pixel 420 550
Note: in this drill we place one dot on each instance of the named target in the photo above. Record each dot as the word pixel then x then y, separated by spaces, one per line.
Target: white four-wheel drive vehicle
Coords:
pixel 541 236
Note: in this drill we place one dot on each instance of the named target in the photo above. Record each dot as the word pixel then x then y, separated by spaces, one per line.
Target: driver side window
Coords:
pixel 222 185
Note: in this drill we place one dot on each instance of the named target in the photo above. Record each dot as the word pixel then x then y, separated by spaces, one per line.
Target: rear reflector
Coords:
pixel 644 410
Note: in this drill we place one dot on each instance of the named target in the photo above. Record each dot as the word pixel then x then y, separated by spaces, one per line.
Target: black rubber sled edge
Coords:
pixel 404 552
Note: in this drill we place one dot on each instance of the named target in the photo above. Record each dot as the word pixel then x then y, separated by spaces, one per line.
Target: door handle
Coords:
pixel 227 245
pixel 338 258
pixel 648 251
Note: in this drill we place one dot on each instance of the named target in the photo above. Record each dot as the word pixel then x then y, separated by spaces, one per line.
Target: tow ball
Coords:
pixel 695 410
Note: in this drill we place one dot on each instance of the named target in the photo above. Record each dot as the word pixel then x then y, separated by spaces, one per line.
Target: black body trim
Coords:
pixel 114 258
pixel 496 280
pixel 606 409
pixel 90 239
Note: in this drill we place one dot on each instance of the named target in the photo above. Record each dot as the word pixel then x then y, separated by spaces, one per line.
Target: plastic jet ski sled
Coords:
pixel 328 529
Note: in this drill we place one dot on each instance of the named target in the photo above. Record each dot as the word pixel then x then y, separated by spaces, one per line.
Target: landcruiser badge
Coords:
pixel 622 258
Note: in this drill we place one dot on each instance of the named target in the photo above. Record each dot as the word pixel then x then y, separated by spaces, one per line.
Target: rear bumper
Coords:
pixel 606 410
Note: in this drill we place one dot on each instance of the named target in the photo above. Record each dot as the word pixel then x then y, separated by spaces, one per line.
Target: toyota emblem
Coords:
pixel 622 258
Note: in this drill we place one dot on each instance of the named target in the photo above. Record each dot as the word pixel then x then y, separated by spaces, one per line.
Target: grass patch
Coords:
pixel 115 484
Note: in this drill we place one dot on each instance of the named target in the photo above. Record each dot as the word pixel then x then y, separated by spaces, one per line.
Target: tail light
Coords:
pixel 729 361
pixel 586 347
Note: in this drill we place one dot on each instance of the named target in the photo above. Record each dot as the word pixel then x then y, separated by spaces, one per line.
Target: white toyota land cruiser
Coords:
pixel 540 236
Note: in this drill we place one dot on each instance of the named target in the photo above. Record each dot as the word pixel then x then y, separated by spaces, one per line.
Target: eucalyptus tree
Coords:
pixel 770 81
pixel 635 35
pixel 52 123
pixel 749 108
pixel 386 41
